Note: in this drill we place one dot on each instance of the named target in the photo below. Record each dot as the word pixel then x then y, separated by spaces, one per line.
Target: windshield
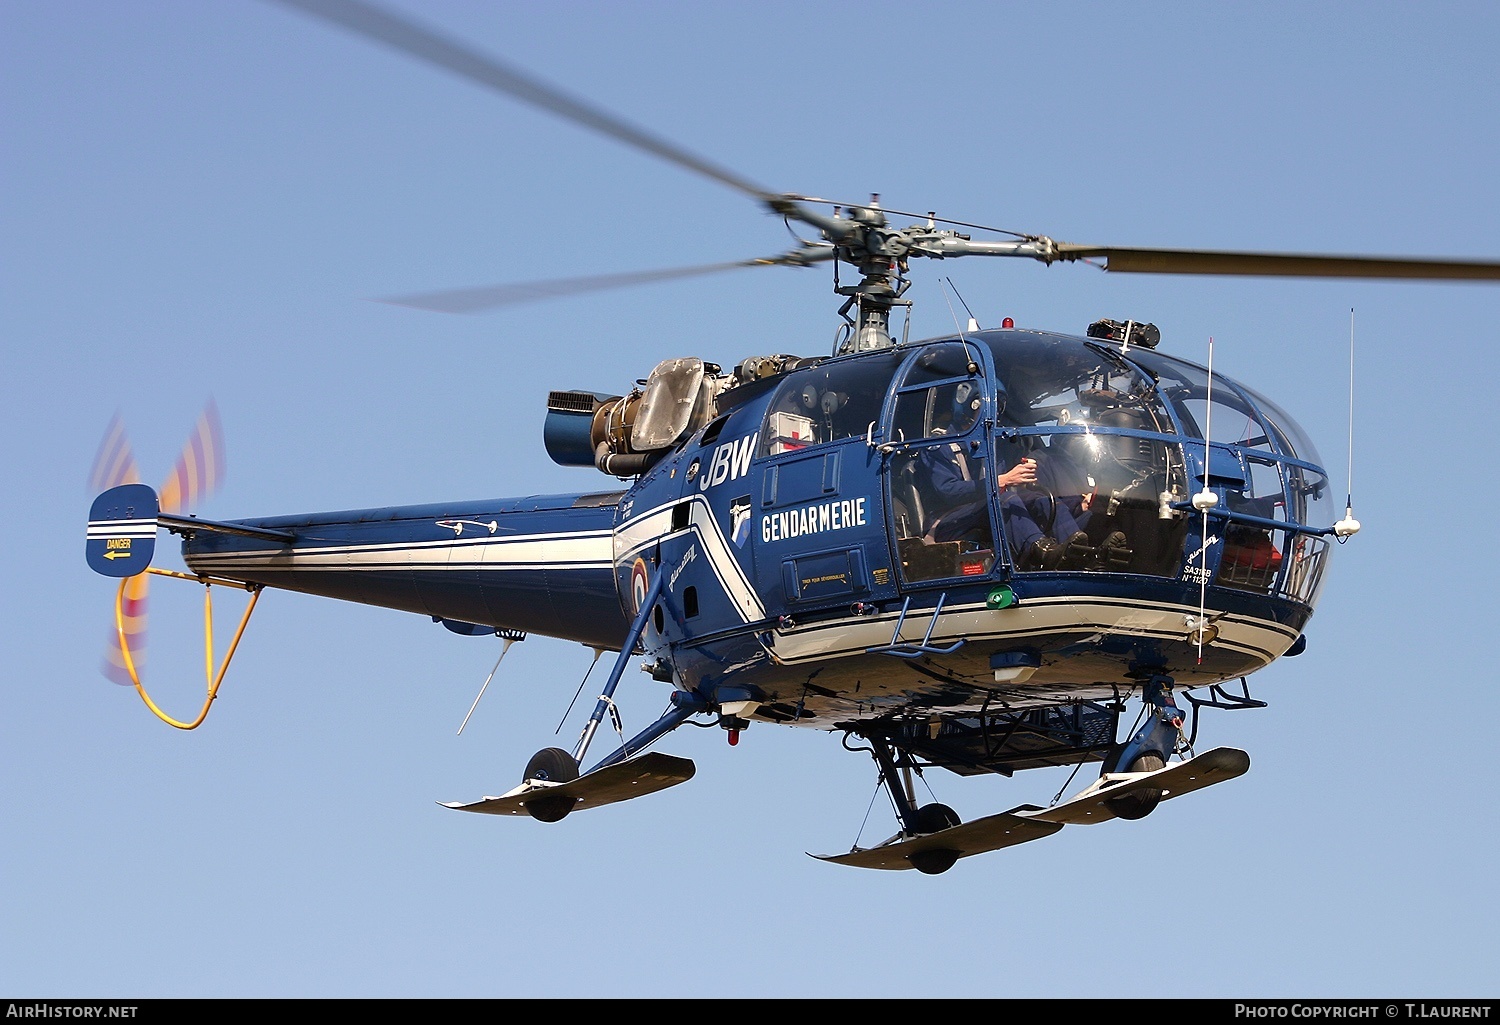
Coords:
pixel 1095 455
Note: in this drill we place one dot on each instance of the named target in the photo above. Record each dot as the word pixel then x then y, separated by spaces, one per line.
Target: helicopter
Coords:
pixel 773 544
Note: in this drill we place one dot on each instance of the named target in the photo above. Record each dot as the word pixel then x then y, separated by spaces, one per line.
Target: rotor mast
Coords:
pixel 883 269
pixel 864 238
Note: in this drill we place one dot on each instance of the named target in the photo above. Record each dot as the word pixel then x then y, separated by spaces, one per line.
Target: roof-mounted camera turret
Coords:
pixel 1127 333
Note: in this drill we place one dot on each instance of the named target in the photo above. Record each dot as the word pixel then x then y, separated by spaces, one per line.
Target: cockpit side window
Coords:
pixel 830 402
pixel 938 396
pixel 1091 501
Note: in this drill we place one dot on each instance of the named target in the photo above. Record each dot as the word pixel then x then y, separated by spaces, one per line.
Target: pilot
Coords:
pixel 952 478
pixel 955 481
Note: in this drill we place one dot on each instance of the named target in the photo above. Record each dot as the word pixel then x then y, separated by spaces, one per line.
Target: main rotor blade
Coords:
pixel 424 44
pixel 488 297
pixel 1302 265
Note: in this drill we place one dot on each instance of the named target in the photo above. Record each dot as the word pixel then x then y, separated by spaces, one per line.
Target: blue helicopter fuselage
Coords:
pixel 816 564
pixel 540 565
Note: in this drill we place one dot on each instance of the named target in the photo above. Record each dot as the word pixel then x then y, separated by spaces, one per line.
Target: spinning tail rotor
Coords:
pixel 197 474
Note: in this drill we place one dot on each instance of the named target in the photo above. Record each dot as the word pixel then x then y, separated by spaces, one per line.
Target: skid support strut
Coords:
pixel 627 651
pixel 898 782
pixel 684 706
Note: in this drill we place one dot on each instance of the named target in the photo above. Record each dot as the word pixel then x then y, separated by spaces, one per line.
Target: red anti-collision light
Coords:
pixel 1007 322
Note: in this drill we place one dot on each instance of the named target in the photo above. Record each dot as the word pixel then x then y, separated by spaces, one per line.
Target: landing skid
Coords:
pixel 620 781
pixel 1028 822
pixel 1174 780
pixel 987 834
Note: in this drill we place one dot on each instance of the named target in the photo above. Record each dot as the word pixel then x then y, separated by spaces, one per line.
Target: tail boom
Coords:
pixel 538 565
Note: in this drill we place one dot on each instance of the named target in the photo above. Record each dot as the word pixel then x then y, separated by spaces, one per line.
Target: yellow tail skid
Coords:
pixel 214 679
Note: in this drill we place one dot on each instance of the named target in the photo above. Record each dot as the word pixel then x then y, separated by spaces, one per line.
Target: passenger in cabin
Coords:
pixel 1046 501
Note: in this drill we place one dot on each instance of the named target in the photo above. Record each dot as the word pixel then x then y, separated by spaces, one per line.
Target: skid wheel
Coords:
pixel 1143 802
pixel 932 818
pixel 554 765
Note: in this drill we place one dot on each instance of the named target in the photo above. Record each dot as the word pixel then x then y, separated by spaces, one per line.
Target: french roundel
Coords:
pixel 638 583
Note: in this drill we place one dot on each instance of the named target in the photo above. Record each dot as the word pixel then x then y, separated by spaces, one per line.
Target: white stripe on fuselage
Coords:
pixel 641 532
pixel 589 550
pixel 725 566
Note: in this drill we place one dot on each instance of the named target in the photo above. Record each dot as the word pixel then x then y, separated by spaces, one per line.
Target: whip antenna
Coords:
pixel 973 367
pixel 509 637
pixel 1349 526
pixel 1203 501
pixel 973 322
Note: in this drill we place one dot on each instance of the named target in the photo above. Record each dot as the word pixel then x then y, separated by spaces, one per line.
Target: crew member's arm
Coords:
pixel 1023 472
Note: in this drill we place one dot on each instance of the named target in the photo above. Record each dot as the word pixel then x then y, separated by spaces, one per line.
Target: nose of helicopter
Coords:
pixel 1102 455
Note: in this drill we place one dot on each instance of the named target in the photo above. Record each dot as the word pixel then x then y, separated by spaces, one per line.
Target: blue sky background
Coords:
pixel 199 196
